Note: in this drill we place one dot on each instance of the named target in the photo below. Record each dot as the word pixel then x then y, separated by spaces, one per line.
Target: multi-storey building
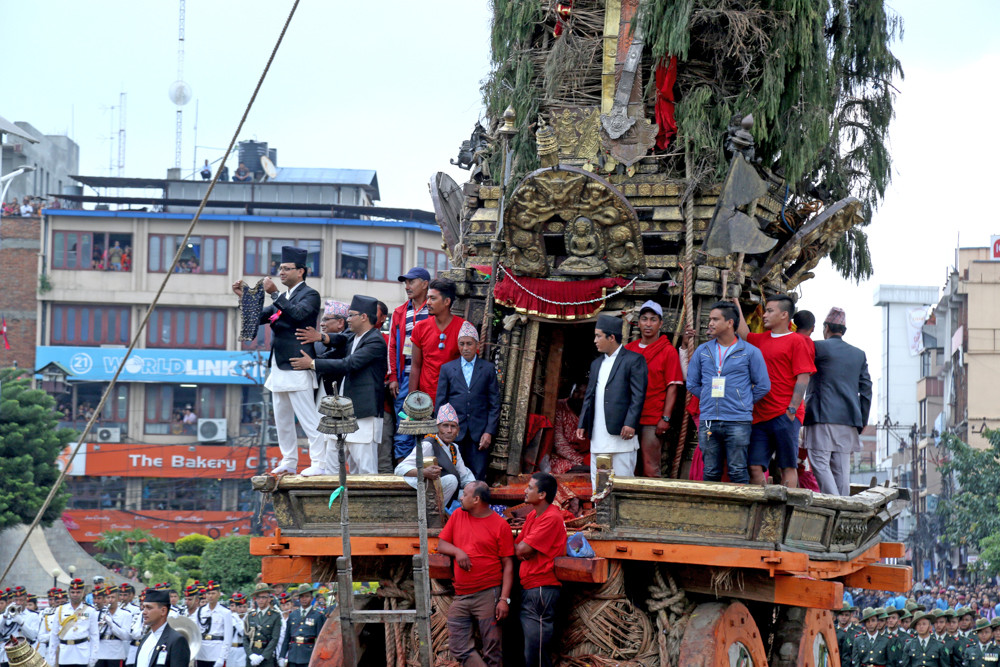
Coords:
pixel 178 437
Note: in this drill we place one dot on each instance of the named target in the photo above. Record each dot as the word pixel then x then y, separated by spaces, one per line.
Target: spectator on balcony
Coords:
pixel 242 175
pixel 837 407
pixel 115 253
pixel 206 171
pixel 11 208
pixel 190 417
pixel 127 259
pixel 26 208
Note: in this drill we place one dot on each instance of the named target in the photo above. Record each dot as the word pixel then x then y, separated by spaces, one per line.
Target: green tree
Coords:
pixel 193 544
pixel 989 555
pixel 229 562
pixel 972 513
pixel 30 442
pixel 123 546
pixel 160 567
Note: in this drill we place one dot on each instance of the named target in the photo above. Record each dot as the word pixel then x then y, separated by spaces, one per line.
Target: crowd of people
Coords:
pixel 932 626
pixel 28 207
pixel 764 402
pixel 108 626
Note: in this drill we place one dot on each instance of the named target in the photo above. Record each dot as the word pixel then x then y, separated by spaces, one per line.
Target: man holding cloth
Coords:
pixel 450 467
pixel 482 549
pixel 839 400
pixel 470 385
pixel 613 403
pixel 292 390
pixel 665 376
pixel 362 379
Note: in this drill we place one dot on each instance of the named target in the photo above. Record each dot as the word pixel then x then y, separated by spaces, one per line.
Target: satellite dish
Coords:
pixel 180 93
pixel 268 167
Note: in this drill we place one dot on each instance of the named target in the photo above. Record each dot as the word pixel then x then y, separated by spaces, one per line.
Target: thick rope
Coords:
pixel 672 609
pixel 675 468
pixel 152 305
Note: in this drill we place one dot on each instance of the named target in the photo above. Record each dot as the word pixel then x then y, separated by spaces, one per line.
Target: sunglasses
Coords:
pixel 441 338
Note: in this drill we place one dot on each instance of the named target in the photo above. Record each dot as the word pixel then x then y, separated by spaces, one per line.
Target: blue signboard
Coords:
pixel 97 364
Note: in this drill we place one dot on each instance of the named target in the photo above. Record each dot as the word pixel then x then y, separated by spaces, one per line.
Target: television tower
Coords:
pixel 180 91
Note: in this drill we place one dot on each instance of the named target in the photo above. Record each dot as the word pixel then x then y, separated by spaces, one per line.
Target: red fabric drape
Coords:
pixel 666 77
pixel 564 291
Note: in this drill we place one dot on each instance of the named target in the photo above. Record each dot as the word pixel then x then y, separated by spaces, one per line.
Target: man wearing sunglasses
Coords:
pixel 292 390
pixel 361 375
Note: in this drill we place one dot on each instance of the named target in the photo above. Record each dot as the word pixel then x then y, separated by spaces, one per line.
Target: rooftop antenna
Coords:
pixel 180 91
pixel 121 134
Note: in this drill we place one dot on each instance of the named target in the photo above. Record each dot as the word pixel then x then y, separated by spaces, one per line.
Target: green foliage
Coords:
pixel 195 575
pixel 229 562
pixel 194 544
pixel 161 568
pixel 972 515
pixel 125 546
pixel 989 554
pixel 30 442
pixel 189 562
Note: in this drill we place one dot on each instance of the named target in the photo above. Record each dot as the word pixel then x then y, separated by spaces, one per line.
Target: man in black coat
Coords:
pixel 162 646
pixel 292 390
pixel 469 384
pixel 837 406
pixel 612 405
pixel 361 375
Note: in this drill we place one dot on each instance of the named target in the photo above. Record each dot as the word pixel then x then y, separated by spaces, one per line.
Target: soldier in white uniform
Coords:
pixel 114 627
pixel 192 599
pixel 216 623
pixel 73 638
pixel 237 655
pixel 7 624
pixel 45 624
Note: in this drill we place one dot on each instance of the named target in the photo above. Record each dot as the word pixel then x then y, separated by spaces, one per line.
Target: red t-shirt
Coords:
pixel 545 534
pixel 427 336
pixel 786 357
pixel 664 366
pixel 485 541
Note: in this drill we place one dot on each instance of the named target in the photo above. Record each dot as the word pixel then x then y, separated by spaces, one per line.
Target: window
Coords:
pixel 434 261
pixel 925 363
pixel 88 251
pixel 181 494
pixel 203 254
pixel 369 261
pixel 89 325
pixel 91 493
pixel 174 409
pixel 76 411
pixel 201 328
pixel 261 257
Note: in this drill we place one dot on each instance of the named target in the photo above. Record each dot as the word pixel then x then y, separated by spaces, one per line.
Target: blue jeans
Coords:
pixel 730 439
pixel 402 445
pixel 538 615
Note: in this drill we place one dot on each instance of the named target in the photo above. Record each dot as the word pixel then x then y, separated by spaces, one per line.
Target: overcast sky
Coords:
pixel 394 86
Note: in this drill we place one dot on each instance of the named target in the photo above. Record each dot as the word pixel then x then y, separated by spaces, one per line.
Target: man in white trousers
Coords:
pixel 292 391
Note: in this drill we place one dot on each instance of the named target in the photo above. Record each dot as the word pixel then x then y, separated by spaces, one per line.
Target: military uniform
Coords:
pixel 216 635
pixel 114 628
pixel 845 641
pixel 870 651
pixel 73 636
pixel 897 640
pixel 302 629
pixel 955 645
pixel 915 654
pixel 263 630
pixel 981 655
pixel 237 655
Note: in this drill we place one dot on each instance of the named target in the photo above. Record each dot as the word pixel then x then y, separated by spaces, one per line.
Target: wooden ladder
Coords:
pixel 349 616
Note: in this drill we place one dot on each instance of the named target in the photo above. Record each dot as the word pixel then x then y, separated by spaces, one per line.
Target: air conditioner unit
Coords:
pixel 109 434
pixel 212 430
pixel 272 436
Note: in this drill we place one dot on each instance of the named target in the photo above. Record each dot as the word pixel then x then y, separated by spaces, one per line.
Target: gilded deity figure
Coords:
pixel 583 244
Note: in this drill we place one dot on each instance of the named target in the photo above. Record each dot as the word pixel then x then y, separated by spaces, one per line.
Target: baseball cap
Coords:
pixel 415 272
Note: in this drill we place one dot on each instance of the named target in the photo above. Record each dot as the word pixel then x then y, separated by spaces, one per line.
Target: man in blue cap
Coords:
pixel 416 282
pixel 292 391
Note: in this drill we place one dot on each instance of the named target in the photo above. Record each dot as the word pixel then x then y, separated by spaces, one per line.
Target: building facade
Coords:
pixel 54 158
pixel 178 439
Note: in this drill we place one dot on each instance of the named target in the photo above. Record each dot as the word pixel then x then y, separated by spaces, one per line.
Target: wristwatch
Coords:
pixel 666 418
pixel 507 600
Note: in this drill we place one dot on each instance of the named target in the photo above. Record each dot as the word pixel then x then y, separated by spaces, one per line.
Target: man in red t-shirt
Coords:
pixel 778 416
pixel 665 376
pixel 435 340
pixel 541 540
pixel 481 545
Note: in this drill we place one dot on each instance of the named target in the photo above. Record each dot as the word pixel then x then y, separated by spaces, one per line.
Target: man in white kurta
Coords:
pixel 622 450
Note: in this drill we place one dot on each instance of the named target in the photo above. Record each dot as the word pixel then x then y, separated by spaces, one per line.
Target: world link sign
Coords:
pixel 97 364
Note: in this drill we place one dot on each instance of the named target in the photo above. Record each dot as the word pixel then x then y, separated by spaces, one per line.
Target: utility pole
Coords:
pixel 918 564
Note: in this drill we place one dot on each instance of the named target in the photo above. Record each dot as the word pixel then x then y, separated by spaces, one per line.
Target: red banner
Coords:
pixel 172 461
pixel 87 525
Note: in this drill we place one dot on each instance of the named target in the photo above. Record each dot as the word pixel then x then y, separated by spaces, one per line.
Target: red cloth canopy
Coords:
pixel 553 299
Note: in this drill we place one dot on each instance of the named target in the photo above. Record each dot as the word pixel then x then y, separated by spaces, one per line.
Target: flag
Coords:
pixel 3 330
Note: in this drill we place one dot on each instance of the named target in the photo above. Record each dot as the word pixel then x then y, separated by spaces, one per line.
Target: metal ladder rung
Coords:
pixel 385 616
